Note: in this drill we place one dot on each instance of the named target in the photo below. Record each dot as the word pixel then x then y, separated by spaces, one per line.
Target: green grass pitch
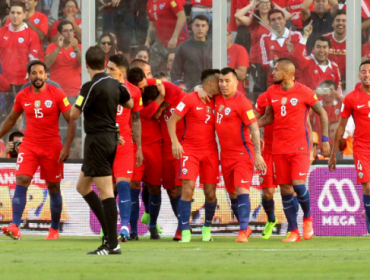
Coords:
pixel 319 258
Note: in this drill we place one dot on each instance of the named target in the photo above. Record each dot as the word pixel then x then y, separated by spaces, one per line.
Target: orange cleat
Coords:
pixel 12 231
pixel 293 236
pixel 249 231
pixel 307 228
pixel 243 236
pixel 53 234
pixel 177 236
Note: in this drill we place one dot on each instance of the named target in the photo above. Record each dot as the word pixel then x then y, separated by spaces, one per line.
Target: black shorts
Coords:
pixel 99 153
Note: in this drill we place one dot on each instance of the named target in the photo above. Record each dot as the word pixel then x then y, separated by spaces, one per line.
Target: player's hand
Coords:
pixel 121 141
pixel 325 148
pixel 60 41
pixel 259 162
pixel 139 157
pixel 74 44
pixel 9 147
pixel 177 150
pixel 307 31
pixel 70 18
pixel 332 163
pixel 172 44
pixel 203 95
pixel 64 154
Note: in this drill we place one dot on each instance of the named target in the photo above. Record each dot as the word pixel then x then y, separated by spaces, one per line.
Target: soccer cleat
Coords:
pixel 134 236
pixel 53 234
pixel 123 234
pixel 267 231
pixel 145 218
pixel 206 234
pixel 307 228
pixel 105 250
pixel 243 235
pixel 185 236
pixel 249 231
pixel 177 236
pixel 12 231
pixel 293 236
pixel 154 233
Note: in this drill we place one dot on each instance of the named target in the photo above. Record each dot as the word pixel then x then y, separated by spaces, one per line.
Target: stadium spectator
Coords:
pixel 346 143
pixel 243 35
pixel 4 84
pixel 163 76
pixel 18 45
pixel 143 53
pixel 338 42
pixel 273 45
pixel 55 9
pixel 365 12
pixel 170 59
pixel 12 147
pixel 4 10
pixel 321 17
pixel 64 60
pixel 70 9
pixel 202 7
pixel 317 67
pixel 141 21
pixel 294 7
pixel 237 58
pixel 167 29
pixel 332 128
pixel 257 29
pixel 143 65
pixel 193 56
pixel 106 43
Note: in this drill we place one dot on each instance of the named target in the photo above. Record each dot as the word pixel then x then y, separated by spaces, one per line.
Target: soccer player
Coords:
pixel 99 100
pixel 42 104
pixel 288 103
pixel 198 152
pixel 235 122
pixel 357 105
pixel 125 160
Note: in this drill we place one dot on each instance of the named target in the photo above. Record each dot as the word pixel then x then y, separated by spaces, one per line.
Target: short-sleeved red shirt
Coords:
pixel 66 70
pixel 294 7
pixel 199 135
pixel 54 27
pixel 163 14
pixel 291 134
pixel 238 56
pixel 357 104
pixel 42 114
pixel 233 116
pixel 269 129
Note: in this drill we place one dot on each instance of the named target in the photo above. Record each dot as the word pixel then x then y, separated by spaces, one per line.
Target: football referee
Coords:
pixel 99 100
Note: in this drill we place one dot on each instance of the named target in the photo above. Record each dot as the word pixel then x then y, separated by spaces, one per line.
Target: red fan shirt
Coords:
pixel 54 27
pixel 338 52
pixel 238 56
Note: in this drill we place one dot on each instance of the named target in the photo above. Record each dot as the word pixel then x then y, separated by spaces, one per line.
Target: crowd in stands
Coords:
pixel 175 37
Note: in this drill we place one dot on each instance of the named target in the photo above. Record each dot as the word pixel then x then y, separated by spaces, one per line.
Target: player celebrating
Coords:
pixel 287 106
pixel 42 104
pixel 357 104
pixel 198 152
pixel 235 122
pixel 124 161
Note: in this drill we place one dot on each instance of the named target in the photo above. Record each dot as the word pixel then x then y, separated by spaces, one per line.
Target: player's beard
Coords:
pixel 278 82
pixel 38 86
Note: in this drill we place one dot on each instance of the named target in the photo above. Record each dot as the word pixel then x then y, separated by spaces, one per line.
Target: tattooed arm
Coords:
pixel 338 137
pixel 317 107
pixel 267 118
pixel 136 131
pixel 255 133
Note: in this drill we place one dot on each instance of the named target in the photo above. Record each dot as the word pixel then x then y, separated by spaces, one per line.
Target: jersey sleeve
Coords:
pixel 268 99
pixel 18 103
pixel 172 92
pixel 124 94
pixel 184 106
pixel 51 48
pixel 346 109
pixel 261 104
pixel 243 58
pixel 311 97
pixel 245 111
pixel 82 99
pixel 62 100
pixel 176 6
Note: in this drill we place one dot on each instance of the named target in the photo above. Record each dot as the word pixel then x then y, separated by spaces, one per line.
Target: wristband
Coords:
pixel 325 138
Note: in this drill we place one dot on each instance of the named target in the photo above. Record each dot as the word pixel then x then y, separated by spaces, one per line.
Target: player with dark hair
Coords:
pixel 144 65
pixel 125 160
pixel 42 104
pixel 357 105
pixel 198 152
pixel 288 103
pixel 99 100
pixel 235 122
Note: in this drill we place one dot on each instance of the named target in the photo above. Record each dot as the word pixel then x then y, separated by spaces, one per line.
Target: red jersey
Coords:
pixel 261 104
pixel 167 144
pixel 42 114
pixel 124 114
pixel 238 56
pixel 233 116
pixel 4 84
pixel 150 130
pixel 357 104
pixel 280 3
pixel 290 108
pixel 41 22
pixel 365 8
pixel 272 46
pixel 337 52
pixel 17 48
pixel 163 14
pixel 54 27
pixel 315 74
pixel 199 135
pixel 207 3
pixel 66 70
pixel 294 7
pixel 256 34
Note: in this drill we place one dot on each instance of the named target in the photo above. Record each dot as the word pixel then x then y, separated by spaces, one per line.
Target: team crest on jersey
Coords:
pixel 337 111
pixel 48 103
pixel 36 21
pixel 221 108
pixel 209 110
pixel 20 40
pixel 155 7
pixel 294 101
pixel 73 54
pixel 227 111
pixel 161 6
pixel 360 174
pixel 184 171
pixel 284 100
pixel 37 104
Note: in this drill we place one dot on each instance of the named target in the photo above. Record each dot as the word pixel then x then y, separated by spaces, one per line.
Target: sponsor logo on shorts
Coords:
pixel 58 176
pixel 302 174
pixel 360 175
pixel 227 111
pixel 184 171
pixel 294 101
pixel 20 40
pixel 48 103
pixel 129 172
pixel 243 182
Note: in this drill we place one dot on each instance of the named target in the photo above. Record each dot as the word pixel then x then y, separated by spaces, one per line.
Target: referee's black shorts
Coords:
pixel 99 152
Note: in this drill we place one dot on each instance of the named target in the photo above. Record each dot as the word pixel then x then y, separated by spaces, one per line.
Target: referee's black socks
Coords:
pixel 95 204
pixel 110 211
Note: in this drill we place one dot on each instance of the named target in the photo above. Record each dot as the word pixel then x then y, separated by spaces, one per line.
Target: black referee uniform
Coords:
pixel 99 100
